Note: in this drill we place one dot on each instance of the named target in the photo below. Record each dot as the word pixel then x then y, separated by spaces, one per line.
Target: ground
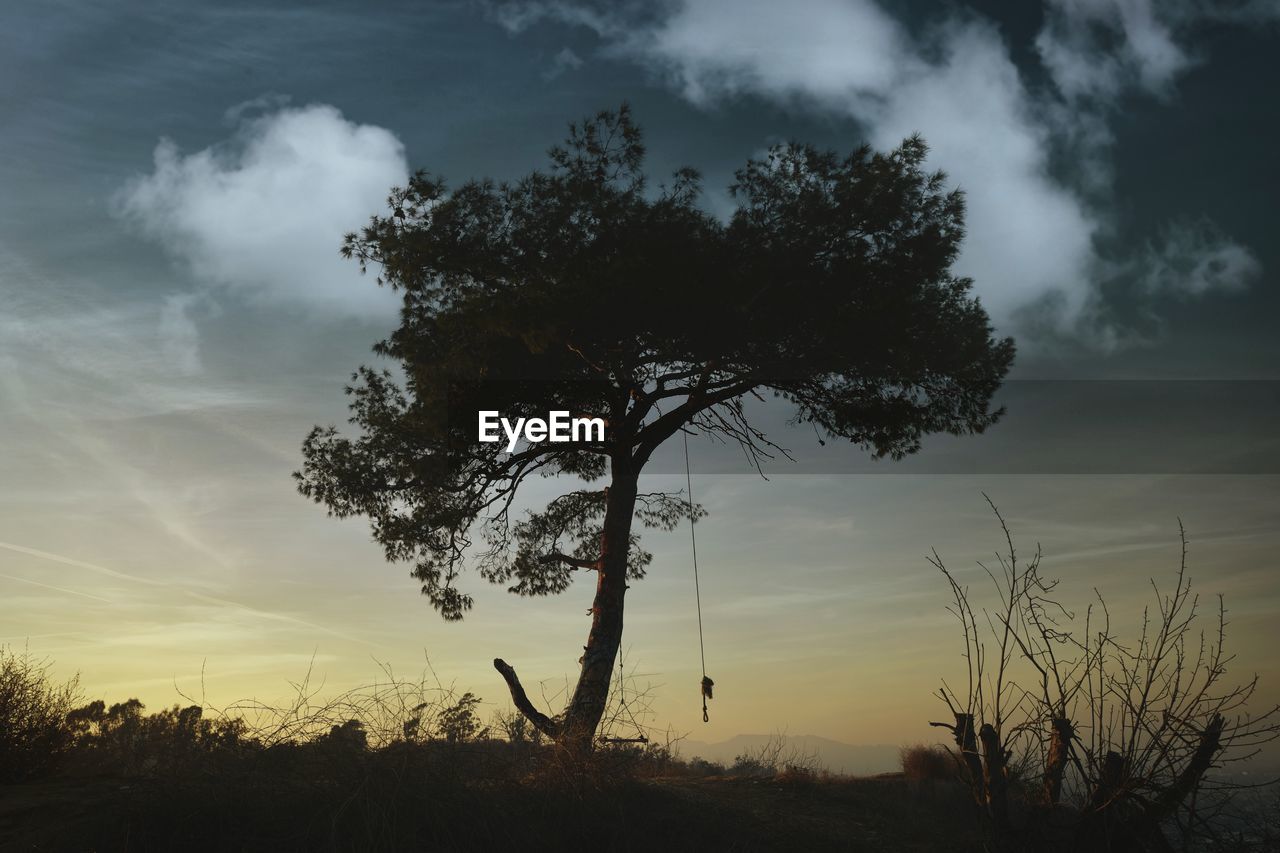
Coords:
pixel 663 813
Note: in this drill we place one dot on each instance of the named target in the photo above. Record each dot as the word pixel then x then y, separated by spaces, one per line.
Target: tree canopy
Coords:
pixel 582 288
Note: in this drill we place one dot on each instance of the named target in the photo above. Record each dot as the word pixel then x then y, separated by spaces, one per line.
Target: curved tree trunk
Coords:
pixel 585 709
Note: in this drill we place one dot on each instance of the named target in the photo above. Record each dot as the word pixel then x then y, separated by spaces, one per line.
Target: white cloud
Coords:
pixel 263 214
pixel 1032 231
pixel 1095 47
pixel 1099 48
pixel 845 53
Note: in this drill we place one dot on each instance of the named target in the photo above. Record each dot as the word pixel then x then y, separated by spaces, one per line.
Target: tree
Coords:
pixel 579 289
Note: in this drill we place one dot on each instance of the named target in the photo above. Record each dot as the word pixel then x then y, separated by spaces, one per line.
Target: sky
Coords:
pixel 175 181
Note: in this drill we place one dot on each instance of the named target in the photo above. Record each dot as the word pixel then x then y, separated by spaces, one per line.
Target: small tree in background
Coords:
pixel 580 289
pixel 1087 740
pixel 459 722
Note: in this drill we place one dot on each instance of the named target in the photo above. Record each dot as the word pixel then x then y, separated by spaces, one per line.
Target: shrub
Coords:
pixel 459 723
pixel 123 739
pixel 699 766
pixel 34 733
pixel 922 763
pixel 775 757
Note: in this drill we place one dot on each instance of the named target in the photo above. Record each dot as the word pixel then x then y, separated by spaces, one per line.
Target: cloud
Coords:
pixel 565 60
pixel 837 53
pixel 1101 48
pixel 263 214
pixel 65 353
pixel 1095 47
pixel 1033 232
pixel 1193 259
pixel 179 337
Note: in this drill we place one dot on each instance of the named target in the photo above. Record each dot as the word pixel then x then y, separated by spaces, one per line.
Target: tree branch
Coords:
pixel 576 562
pixel 541 721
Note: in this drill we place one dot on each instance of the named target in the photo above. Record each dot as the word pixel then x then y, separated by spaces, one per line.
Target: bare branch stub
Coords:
pixel 541 721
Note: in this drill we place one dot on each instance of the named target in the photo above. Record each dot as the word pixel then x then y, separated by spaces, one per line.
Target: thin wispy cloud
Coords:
pixel 73 352
pixel 279 617
pixel 53 588
pixel 179 588
pixel 79 564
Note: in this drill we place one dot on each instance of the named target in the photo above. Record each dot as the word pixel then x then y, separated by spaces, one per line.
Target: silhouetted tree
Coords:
pixel 579 289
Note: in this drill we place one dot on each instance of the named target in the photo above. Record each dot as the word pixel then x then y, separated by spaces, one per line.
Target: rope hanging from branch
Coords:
pixel 707 684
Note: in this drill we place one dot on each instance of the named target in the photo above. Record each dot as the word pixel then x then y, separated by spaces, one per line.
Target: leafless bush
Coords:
pixel 391 709
pixel 774 758
pixel 33 715
pixel 1060 713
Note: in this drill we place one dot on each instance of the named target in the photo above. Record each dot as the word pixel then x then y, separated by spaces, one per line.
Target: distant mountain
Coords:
pixel 832 754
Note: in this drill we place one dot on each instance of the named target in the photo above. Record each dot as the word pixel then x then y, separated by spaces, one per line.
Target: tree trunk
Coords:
pixel 967 740
pixel 1110 782
pixel 995 777
pixel 1056 764
pixel 588 703
pixel 1188 781
pixel 577 727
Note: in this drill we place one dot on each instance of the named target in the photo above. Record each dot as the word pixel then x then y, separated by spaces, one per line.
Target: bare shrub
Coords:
pixel 34 734
pixel 1114 735
pixel 775 757
pixel 391 709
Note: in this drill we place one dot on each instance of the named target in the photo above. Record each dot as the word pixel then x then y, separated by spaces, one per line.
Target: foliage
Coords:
pixel 516 728
pixel 172 740
pixel 459 722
